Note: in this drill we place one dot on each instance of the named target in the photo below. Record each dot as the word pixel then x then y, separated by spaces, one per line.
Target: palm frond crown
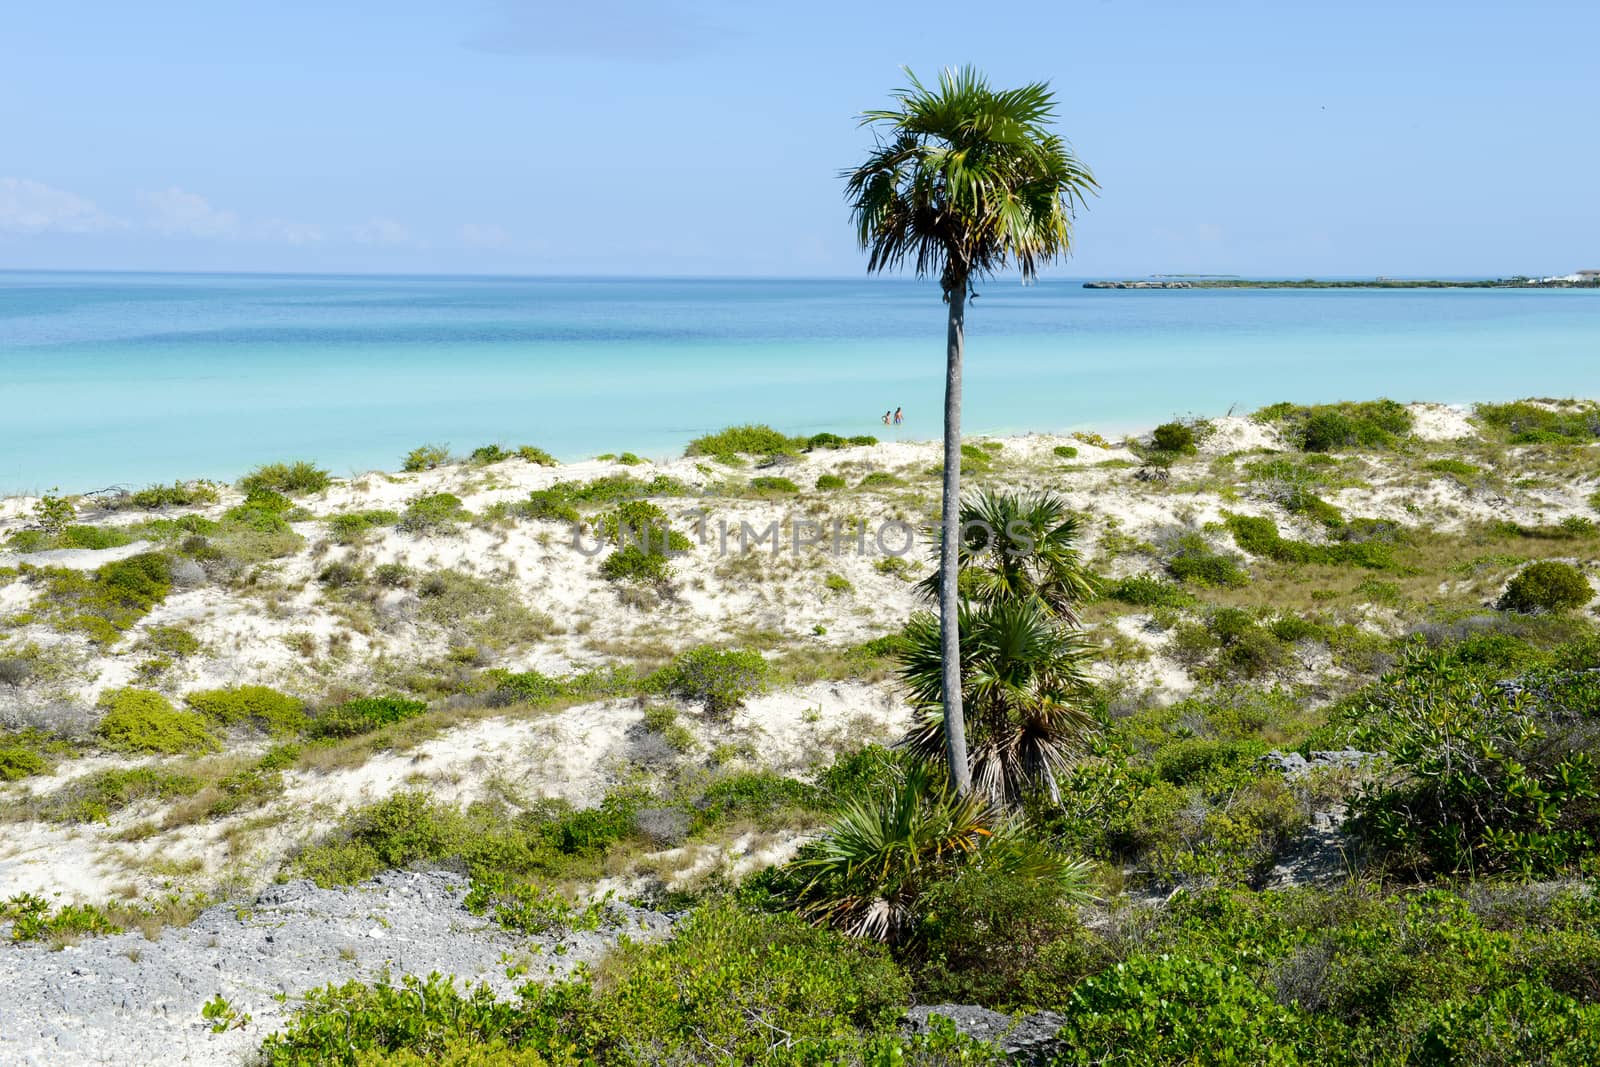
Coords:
pixel 966 180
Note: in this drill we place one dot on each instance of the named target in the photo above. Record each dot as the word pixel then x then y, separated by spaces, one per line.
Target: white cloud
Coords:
pixel 481 235
pixel 386 232
pixel 28 206
pixel 184 214
pixel 284 232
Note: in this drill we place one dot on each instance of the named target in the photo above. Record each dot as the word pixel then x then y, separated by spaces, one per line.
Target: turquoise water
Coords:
pixel 128 378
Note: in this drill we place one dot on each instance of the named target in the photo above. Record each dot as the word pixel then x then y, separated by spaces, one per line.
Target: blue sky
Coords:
pixel 622 137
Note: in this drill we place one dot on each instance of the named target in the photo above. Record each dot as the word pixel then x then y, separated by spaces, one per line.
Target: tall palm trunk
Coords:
pixel 955 726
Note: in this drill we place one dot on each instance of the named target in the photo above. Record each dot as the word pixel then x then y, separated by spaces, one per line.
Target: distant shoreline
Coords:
pixel 1315 283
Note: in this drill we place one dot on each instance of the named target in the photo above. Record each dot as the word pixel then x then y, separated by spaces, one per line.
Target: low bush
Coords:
pixel 1489 777
pixel 1457 468
pixel 19 761
pixel 631 563
pixel 1259 536
pixel 254 705
pixel 340 573
pixel 719 679
pixel 1331 427
pixel 436 513
pixel 176 495
pixel 1144 590
pixel 1546 422
pixel 1546 586
pixel 812 992
pixel 137 720
pixel 537 456
pixel 171 641
pixel 1192 560
pixel 363 715
pixel 1175 438
pixel 1065 452
pixel 425 458
pixel 352 527
pixel 290 479
pixel 830 482
pixel 880 480
pixel 773 484
pixel 750 439
pixel 103 604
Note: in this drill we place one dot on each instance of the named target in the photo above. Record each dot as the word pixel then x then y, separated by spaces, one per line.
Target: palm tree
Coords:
pixel 1016 547
pixel 964 181
pixel 1023 682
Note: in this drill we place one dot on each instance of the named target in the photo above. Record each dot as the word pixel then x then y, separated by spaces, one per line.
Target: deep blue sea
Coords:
pixel 134 378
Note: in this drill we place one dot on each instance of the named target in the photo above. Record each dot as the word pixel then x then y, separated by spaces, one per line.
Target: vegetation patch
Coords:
pixel 1259 536
pixel 1524 422
pixel 750 439
pixel 257 706
pixel 361 716
pixel 290 479
pixel 1375 424
pixel 425 458
pixel 102 604
pixel 718 679
pixel 1546 586
pixel 138 720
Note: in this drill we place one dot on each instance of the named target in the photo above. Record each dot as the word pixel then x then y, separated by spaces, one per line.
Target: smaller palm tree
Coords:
pixel 1024 688
pixel 885 848
pixel 1014 547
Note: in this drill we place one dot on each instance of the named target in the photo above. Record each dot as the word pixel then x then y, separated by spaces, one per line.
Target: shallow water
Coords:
pixel 133 378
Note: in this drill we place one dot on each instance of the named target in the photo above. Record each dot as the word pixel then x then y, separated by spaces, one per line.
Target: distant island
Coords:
pixel 1582 279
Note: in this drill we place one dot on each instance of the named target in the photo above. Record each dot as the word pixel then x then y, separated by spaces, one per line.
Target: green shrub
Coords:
pixel 351 527
pixel 1524 422
pixel 137 720
pixel 837 583
pixel 1145 590
pixel 1173 437
pixel 550 504
pixel 290 479
pixel 340 573
pixel 34 919
pixel 988 937
pixel 176 495
pixel 1488 778
pixel 93 537
pixel 171 641
pixel 255 705
pixel 1259 536
pixel 18 762
pixel 96 797
pixel 106 602
pixel 538 456
pixel 812 992
pixel 392 575
pixel 720 679
pixel 1330 427
pixel 425 458
pixel 749 439
pixel 363 715
pixel 830 481
pixel 768 484
pixel 1456 467
pixel 1546 586
pixel 483 455
pixel 631 563
pixel 1153 1011
pixel 1065 452
pixel 879 480
pixel 436 513
pixel 53 513
pixel 1193 560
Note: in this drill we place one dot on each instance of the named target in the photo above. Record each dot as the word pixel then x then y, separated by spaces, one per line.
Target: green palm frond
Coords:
pixel 1023 687
pixel 885 847
pixel 1014 547
pixel 966 180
